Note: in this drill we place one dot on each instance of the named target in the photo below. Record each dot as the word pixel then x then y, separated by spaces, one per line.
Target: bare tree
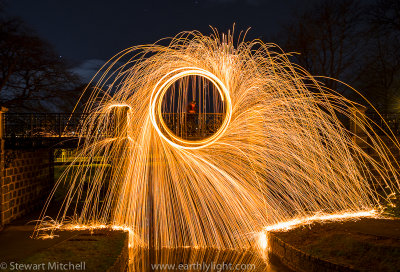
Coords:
pixel 30 71
pixel 385 15
pixel 379 77
pixel 327 39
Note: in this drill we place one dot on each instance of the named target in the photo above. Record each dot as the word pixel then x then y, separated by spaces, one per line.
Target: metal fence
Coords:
pixel 67 125
pixel 39 125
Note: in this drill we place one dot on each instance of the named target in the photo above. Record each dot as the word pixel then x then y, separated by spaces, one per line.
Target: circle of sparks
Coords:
pixel 156 101
pixel 280 157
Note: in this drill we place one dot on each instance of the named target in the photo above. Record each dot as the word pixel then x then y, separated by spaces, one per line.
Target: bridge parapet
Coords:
pixel 24 130
pixel 21 130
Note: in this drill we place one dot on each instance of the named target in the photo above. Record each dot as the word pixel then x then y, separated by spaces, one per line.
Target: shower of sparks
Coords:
pixel 262 244
pixel 280 152
pixel 284 226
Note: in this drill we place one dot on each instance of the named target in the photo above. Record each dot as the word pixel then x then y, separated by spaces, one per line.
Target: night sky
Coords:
pixel 87 33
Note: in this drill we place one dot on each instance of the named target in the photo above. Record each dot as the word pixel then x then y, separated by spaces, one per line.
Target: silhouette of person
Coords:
pixel 191 118
pixel 191 108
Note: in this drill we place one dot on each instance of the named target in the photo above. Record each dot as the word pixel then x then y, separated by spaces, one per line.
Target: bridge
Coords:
pixel 63 130
pixel 24 130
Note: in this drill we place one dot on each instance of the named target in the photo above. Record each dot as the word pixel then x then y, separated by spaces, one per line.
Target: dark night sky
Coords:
pixel 90 32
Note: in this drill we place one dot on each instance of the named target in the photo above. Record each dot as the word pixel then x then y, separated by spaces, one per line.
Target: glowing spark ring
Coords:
pixel 156 101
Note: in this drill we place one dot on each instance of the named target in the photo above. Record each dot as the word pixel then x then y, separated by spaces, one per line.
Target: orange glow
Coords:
pixel 280 155
pixel 294 223
pixel 297 222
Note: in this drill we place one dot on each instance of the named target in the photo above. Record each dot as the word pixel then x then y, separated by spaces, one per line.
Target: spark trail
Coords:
pixel 279 153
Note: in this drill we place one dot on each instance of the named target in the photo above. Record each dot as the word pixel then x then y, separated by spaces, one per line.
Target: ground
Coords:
pixel 98 250
pixel 367 244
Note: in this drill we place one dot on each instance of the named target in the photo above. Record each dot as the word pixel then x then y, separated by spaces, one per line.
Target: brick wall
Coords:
pixel 1 180
pixel 26 180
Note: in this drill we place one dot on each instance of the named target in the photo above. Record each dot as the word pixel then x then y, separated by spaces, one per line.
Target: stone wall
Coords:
pixel 301 261
pixel 26 178
pixel 121 263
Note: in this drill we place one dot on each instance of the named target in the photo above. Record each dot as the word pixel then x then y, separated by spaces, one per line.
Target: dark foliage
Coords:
pixel 351 41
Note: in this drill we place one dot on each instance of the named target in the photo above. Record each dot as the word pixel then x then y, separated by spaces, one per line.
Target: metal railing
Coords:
pixel 191 126
pixel 40 125
pixel 67 125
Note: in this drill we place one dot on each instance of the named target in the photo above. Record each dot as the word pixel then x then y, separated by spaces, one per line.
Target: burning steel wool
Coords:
pixel 278 152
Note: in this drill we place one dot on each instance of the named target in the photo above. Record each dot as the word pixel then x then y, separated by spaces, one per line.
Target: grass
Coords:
pixel 392 208
pixel 62 189
pixel 356 251
pixel 343 244
pixel 99 251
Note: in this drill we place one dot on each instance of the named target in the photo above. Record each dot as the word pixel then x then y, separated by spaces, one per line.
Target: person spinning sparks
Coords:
pixel 192 107
pixel 191 118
